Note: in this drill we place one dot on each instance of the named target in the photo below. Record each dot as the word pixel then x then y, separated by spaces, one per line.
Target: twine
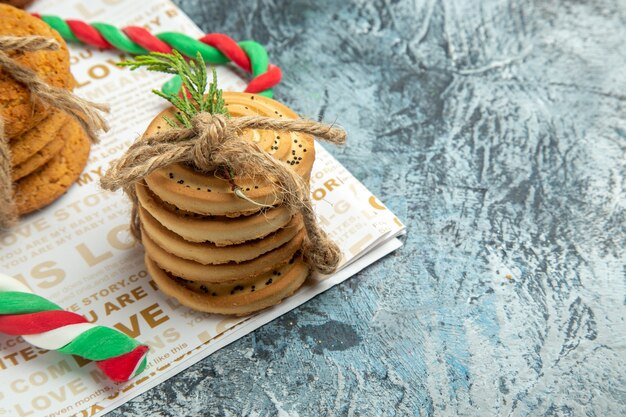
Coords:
pixel 85 112
pixel 215 141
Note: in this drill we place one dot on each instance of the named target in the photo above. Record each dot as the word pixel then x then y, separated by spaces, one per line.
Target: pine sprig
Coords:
pixel 193 74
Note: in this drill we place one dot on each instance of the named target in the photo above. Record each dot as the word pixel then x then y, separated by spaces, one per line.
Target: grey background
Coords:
pixel 496 130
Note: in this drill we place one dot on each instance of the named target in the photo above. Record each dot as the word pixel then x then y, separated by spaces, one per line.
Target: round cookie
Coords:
pixel 29 143
pixel 208 253
pixel 52 180
pixel 17 3
pixel 19 110
pixel 231 271
pixel 209 194
pixel 220 231
pixel 72 83
pixel 40 157
pixel 243 298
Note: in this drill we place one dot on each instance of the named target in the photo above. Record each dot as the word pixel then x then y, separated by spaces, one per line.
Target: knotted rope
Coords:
pixel 84 111
pixel 215 141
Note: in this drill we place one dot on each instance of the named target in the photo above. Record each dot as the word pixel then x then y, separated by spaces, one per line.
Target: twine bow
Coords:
pixel 215 141
pixel 84 111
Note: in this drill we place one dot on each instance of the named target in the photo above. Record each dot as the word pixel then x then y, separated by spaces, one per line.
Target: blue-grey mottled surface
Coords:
pixel 497 131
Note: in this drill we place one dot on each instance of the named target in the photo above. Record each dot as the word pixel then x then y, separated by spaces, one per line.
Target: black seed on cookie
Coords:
pixel 171 175
pixel 204 289
pixel 237 288
pixel 181 181
pixel 268 282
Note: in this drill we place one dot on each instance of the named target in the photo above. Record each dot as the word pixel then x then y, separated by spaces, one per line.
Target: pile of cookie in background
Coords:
pixel 17 3
pixel 213 250
pixel 48 148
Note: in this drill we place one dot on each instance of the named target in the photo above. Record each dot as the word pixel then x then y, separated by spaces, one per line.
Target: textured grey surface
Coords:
pixel 497 131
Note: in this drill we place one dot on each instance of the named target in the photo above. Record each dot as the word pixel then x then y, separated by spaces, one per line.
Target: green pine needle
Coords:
pixel 193 74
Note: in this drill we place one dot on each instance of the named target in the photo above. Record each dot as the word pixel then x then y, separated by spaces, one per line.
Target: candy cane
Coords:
pixel 46 325
pixel 215 48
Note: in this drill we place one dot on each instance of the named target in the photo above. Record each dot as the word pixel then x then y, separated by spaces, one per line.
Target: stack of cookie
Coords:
pixel 49 149
pixel 213 250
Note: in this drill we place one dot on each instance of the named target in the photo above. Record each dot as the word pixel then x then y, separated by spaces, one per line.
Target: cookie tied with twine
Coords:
pixel 83 111
pixel 207 139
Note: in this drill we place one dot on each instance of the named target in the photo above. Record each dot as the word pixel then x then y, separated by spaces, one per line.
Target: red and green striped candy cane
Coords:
pixel 215 48
pixel 46 325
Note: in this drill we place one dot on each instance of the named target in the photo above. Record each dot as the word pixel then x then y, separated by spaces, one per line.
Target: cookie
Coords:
pixel 218 230
pixel 72 83
pixel 40 157
pixel 52 180
pixel 19 111
pixel 239 299
pixel 29 143
pixel 17 3
pixel 208 253
pixel 207 193
pixel 231 271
